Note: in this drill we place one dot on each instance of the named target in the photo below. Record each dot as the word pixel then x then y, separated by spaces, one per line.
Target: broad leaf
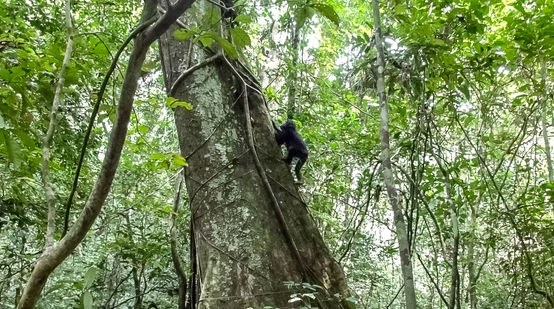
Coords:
pixel 228 48
pixel 90 276
pixel 87 300
pixel 326 11
pixel 240 37
pixel 179 160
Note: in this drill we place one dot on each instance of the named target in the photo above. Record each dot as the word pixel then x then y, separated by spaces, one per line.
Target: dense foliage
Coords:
pixel 470 92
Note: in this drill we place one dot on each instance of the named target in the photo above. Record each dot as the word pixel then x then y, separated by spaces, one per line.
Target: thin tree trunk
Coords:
pixel 182 278
pixel 193 293
pixel 47 138
pixel 251 230
pixel 293 72
pixel 472 270
pixel 544 124
pixel 388 177
pixel 138 292
pixel 471 257
pixel 455 275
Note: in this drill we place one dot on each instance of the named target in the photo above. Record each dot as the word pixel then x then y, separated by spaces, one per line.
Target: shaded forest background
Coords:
pixel 470 91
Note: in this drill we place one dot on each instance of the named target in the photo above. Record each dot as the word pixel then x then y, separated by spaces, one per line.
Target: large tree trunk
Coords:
pixel 244 248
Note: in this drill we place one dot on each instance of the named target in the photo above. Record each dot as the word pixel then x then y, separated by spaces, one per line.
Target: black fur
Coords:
pixel 228 10
pixel 296 147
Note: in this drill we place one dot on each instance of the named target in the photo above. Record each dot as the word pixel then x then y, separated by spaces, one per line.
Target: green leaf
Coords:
pixel 400 9
pixel 97 47
pixel 511 53
pixel 181 34
pixel 437 42
pixel 142 129
pixel 240 37
pixel 300 16
pixel 465 90
pixel 174 103
pixel 244 19
pixel 5 74
pixel 13 149
pixel 295 299
pixel 87 300
pixel 179 160
pixel 157 156
pixel 228 48
pixel 185 34
pixel 212 15
pixel 326 11
pixel 90 276
pixel 206 40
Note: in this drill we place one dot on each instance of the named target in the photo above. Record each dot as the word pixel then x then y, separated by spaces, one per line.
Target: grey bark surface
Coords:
pixel 242 253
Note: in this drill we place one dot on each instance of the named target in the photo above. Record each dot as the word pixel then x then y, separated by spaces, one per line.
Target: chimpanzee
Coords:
pixel 228 10
pixel 286 134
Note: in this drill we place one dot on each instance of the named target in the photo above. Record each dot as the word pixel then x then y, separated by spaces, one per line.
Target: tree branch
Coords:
pixel 95 109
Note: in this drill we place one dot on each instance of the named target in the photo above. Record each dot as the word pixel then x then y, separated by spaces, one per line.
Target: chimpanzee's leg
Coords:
pixel 301 160
pixel 290 155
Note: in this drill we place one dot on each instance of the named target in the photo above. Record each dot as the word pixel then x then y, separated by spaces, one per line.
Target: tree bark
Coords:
pixel 472 285
pixel 388 177
pixel 137 288
pixel 455 274
pixel 250 228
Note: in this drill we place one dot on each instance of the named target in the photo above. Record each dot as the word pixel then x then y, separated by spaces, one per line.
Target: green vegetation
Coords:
pixel 469 88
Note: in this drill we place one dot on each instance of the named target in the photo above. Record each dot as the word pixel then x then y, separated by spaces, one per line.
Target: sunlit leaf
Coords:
pixel 142 129
pixel 179 160
pixel 157 156
pixel 174 103
pixel 244 19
